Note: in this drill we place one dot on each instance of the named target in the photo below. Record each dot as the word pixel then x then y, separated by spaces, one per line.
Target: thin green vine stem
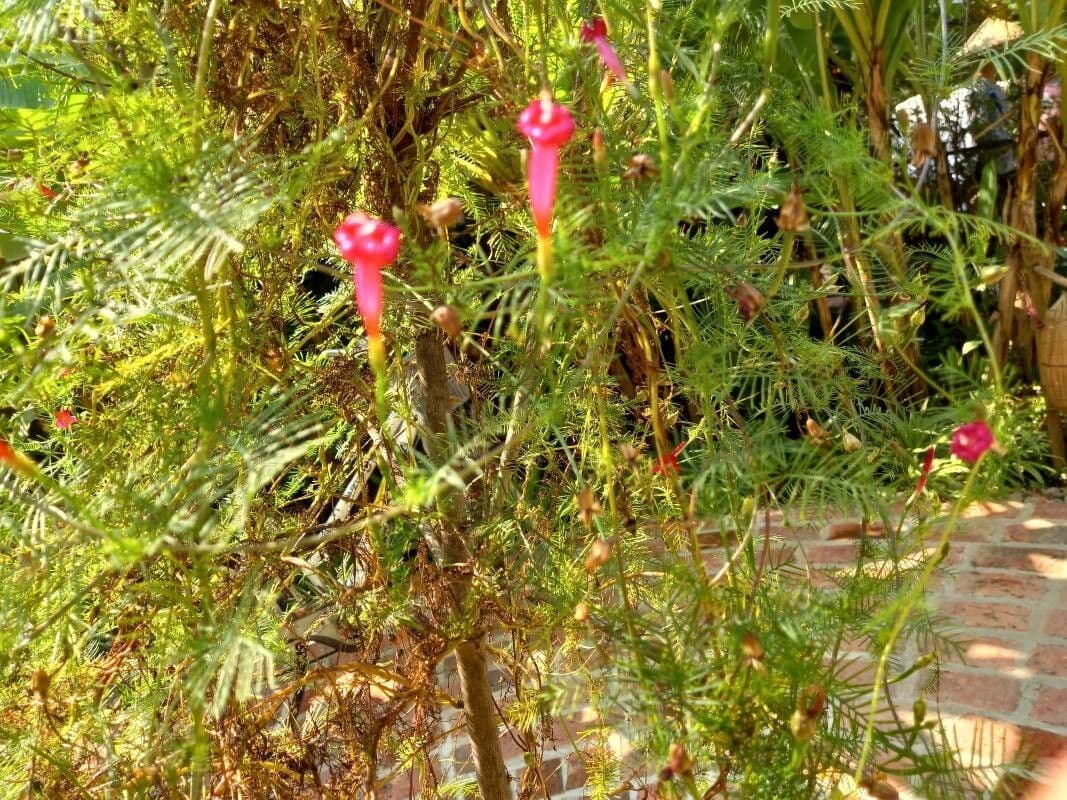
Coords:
pixel 910 599
pixel 655 87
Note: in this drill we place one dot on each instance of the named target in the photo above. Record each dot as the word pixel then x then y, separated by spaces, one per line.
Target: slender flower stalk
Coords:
pixel 596 32
pixel 369 244
pixel 548 126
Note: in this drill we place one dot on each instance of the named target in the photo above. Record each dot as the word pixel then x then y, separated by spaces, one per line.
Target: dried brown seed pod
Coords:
pixel 678 760
pixel 812 700
pixel 802 726
pixel 447 319
pixel 666 82
pixel 923 144
pixel 751 647
pixel 850 442
pixel 40 681
pixel 588 506
pixel 641 166
pixel 793 217
pixel 599 553
pixel 817 432
pixel 749 299
pixel 443 213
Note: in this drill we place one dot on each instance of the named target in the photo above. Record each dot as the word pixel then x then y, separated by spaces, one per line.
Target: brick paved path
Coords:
pixel 1005 591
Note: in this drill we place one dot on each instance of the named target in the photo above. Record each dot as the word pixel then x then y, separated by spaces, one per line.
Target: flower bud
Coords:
pixel 918 710
pixel 600 152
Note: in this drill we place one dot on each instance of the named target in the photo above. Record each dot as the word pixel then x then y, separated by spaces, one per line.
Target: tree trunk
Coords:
pixel 1023 255
pixel 877 114
pixel 478 708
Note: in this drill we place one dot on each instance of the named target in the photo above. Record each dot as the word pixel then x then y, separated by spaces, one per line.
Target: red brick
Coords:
pixel 1037 531
pixel 1006 585
pixel 831 553
pixel 993 653
pixel 1056 623
pixel 1049 659
pixel 1050 706
pixel 552 774
pixel 576 777
pixel 985 614
pixel 509 747
pixel 853 529
pixel 1050 563
pixel 992 508
pixel 1049 509
pixel 979 691
pixel 1043 744
pixel 967 530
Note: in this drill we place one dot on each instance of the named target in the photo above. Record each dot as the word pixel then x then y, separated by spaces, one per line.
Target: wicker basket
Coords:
pixel 1052 356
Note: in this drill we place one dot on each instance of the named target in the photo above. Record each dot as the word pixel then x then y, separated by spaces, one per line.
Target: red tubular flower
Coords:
pixel 596 32
pixel 669 462
pixel 970 441
pixel 368 244
pixel 15 461
pixel 64 419
pixel 928 463
pixel 548 126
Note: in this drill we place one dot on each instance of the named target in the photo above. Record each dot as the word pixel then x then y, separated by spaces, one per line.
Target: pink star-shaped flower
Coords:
pixel 64 419
pixel 669 463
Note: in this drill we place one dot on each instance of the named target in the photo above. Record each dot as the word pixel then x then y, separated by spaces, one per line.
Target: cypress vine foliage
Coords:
pixel 737 309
